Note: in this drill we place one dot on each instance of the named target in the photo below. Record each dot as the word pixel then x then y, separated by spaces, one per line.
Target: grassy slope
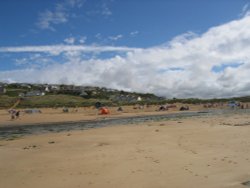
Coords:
pixel 6 101
pixel 48 101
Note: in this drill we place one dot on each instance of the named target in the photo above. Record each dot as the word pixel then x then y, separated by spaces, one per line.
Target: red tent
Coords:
pixel 104 110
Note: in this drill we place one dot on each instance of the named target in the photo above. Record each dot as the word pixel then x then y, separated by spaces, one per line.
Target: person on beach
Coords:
pixel 12 114
pixel 17 114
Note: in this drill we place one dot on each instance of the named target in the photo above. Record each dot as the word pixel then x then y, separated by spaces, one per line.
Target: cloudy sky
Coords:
pixel 173 48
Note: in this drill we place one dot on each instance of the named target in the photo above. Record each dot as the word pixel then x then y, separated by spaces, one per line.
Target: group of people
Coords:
pixel 14 114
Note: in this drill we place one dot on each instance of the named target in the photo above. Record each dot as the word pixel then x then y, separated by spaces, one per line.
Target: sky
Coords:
pixel 172 48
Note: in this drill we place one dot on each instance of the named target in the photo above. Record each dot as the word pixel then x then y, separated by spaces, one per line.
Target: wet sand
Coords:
pixel 191 152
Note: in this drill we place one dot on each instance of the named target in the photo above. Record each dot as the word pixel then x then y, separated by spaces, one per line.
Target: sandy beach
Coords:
pixel 209 151
pixel 124 94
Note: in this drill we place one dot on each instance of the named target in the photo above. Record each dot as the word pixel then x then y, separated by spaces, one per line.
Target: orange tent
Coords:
pixel 104 110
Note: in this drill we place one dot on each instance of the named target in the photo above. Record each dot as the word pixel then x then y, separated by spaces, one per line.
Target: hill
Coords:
pixel 45 95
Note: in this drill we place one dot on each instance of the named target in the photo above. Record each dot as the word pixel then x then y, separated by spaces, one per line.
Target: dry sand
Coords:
pixel 209 152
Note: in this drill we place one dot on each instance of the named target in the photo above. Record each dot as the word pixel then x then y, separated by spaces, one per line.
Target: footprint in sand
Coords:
pixel 30 147
pixel 140 150
pixel 156 161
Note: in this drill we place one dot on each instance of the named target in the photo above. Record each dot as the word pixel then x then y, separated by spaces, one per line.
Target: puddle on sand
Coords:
pixel 247 183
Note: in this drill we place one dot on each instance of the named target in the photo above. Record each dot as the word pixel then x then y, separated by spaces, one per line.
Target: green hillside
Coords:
pixel 44 95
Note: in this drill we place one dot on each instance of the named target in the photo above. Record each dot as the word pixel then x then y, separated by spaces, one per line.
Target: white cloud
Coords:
pixel 82 39
pixel 245 10
pixel 22 61
pixel 98 36
pixel 183 67
pixel 100 9
pixel 57 49
pixel 115 38
pixel 75 3
pixel 70 40
pixel 48 18
pixel 105 10
pixel 34 61
pixel 134 33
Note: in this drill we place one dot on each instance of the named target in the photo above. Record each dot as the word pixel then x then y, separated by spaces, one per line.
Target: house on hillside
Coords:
pixel 47 88
pixel 83 93
pixel 25 85
pixel 54 87
pixel 50 88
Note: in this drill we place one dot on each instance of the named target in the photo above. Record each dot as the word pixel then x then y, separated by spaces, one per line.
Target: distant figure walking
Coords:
pixel 12 113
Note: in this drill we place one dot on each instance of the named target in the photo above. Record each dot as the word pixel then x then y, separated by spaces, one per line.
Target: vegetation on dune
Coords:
pixel 6 101
pixel 48 101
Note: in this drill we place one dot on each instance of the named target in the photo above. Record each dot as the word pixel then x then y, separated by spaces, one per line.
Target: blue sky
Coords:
pixel 93 35
pixel 156 21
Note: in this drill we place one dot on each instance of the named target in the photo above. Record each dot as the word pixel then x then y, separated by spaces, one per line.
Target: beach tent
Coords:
pixel 104 111
pixel 233 104
pixel 32 111
pixel 120 109
pixel 183 108
pixel 163 108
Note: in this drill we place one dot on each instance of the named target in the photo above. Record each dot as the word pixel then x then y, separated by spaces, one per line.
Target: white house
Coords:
pixel 139 99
